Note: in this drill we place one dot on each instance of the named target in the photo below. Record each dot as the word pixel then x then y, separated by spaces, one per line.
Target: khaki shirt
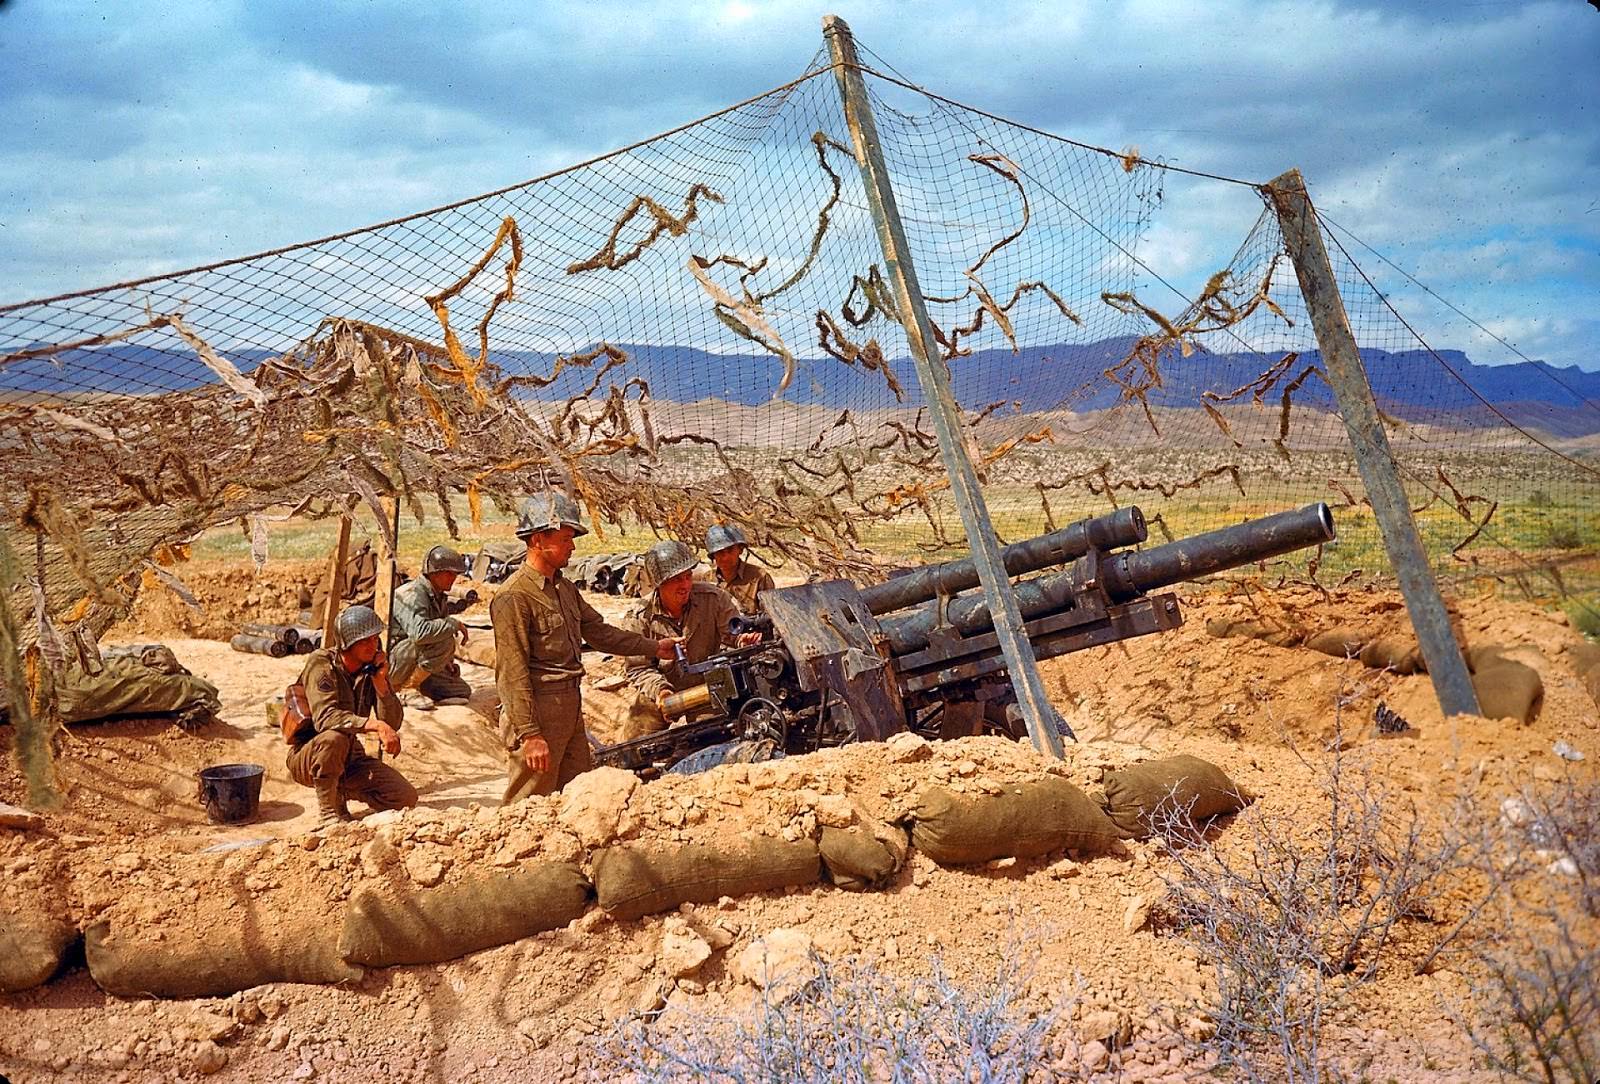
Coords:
pixel 340 700
pixel 540 626
pixel 419 616
pixel 704 629
pixel 747 582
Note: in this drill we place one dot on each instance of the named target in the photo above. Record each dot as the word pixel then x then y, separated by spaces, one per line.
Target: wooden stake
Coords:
pixel 934 376
pixel 1341 358
pixel 335 582
pixel 388 572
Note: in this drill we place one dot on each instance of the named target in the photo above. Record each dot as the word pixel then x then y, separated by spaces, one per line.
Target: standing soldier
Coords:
pixel 423 635
pixel 676 606
pixel 540 625
pixel 343 685
pixel 726 545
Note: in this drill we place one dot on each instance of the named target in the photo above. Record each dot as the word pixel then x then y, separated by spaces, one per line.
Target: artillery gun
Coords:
pixel 841 663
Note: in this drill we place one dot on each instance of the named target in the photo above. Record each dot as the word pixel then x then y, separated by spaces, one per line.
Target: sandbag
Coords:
pixel 1398 653
pixel 862 857
pixel 1022 821
pixel 1508 690
pixel 32 942
pixel 1585 657
pixel 1483 656
pixel 408 925
pixel 214 960
pixel 1139 796
pixel 631 881
pixel 1342 641
pixel 1246 629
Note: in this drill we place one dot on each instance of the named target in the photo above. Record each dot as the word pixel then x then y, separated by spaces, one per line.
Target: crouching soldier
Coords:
pixel 676 606
pixel 422 634
pixel 540 625
pixel 343 685
pixel 726 546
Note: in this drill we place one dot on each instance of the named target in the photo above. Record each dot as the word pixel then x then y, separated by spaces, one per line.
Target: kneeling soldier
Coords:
pixel 423 635
pixel 726 546
pixel 676 606
pixel 540 626
pixel 343 685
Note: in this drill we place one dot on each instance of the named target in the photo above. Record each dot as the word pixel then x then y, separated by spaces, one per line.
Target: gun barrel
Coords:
pixel 1127 575
pixel 1229 547
pixel 1124 527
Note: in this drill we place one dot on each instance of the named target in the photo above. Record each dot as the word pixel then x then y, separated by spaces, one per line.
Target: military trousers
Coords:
pixel 558 711
pixel 335 754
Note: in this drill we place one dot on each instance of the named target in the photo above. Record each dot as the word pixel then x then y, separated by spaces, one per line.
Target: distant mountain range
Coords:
pixel 1412 385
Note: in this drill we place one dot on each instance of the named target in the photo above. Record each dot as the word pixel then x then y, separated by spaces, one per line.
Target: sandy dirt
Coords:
pixel 133 837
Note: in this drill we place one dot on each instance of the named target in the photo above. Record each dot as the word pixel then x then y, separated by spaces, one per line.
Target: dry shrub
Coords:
pixel 1289 913
pixel 1534 958
pixel 851 1023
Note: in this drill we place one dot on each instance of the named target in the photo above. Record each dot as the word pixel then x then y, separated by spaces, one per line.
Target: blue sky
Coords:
pixel 1461 140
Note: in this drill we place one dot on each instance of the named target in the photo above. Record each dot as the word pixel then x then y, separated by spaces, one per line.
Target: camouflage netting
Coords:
pixel 698 328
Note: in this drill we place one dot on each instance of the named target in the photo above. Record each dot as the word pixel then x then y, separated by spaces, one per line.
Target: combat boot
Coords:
pixel 331 809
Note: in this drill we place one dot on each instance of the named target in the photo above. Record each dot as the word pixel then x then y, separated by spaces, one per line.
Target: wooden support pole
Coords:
pixel 388 571
pixel 335 582
pixel 934 376
pixel 1341 359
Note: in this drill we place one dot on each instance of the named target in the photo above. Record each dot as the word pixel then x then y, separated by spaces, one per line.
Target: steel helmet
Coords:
pixel 665 560
pixel 723 535
pixel 443 559
pixel 354 625
pixel 548 511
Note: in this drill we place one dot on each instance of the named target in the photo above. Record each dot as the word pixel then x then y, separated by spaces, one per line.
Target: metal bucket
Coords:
pixel 231 792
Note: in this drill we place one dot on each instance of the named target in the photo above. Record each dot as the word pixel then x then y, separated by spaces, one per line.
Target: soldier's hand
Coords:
pixel 536 754
pixel 666 650
pixel 389 737
pixel 462 629
pixel 661 700
pixel 749 639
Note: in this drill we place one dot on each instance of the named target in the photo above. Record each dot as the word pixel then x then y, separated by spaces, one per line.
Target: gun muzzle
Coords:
pixel 677 705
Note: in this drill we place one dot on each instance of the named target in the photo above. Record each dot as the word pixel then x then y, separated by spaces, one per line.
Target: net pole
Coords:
pixel 1341 358
pixel 934 377
pixel 335 582
pixel 388 568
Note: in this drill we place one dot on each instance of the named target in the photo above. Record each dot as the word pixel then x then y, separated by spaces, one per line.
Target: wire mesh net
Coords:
pixel 699 329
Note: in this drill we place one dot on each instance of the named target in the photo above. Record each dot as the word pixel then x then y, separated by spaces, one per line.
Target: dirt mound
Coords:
pixel 229 595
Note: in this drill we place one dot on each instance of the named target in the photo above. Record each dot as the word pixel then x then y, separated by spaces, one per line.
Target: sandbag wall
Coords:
pixel 1507 687
pixel 428 887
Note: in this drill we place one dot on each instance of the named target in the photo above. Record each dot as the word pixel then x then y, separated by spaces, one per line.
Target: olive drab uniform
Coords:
pixel 422 642
pixel 540 626
pixel 704 629
pixel 340 703
pixel 748 581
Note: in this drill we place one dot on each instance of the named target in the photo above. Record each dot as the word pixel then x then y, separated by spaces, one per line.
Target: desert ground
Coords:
pixel 1097 950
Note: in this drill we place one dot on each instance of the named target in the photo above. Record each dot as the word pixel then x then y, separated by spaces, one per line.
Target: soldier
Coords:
pixel 677 606
pixel 422 634
pixel 343 685
pixel 540 625
pixel 726 545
